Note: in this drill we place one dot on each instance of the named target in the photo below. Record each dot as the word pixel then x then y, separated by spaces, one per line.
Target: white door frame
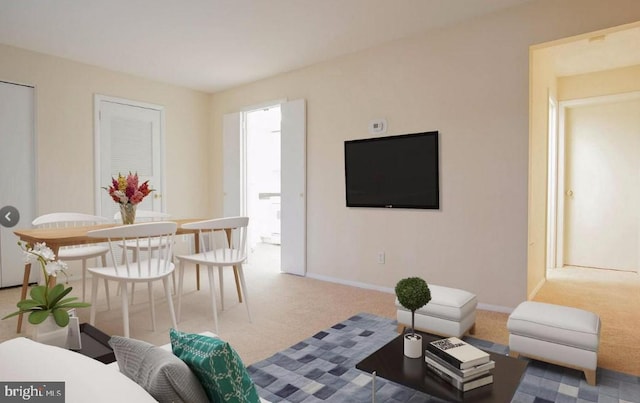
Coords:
pixel 97 99
pixel 552 182
pixel 558 230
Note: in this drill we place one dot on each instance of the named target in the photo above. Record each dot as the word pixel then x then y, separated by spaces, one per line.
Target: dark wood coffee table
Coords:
pixel 95 344
pixel 390 363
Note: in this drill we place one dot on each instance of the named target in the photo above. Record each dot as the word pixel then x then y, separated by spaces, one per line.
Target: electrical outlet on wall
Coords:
pixel 380 257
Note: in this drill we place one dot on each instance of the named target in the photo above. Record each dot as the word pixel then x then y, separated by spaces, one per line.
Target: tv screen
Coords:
pixel 393 172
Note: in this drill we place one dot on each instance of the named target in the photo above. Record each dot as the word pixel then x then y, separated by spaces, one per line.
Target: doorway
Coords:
pixel 601 63
pixel 263 169
pixel 292 152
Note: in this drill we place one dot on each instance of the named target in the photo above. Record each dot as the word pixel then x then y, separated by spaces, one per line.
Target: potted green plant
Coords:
pixel 47 306
pixel 413 293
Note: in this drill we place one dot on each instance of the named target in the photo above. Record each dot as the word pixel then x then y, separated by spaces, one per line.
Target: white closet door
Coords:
pixel 293 218
pixel 17 182
pixel 130 140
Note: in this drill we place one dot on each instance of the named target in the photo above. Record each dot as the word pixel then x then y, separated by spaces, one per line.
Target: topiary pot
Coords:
pixel 413 293
pixel 413 345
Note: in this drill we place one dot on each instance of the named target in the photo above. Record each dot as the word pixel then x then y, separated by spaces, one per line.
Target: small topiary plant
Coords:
pixel 413 293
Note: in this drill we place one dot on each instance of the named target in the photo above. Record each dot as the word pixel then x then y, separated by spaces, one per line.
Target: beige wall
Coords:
pixel 598 84
pixel 471 83
pixel 64 108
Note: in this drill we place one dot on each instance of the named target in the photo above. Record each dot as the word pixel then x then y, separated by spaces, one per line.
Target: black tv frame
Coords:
pixel 434 165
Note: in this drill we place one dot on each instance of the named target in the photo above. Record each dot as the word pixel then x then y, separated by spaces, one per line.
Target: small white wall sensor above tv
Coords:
pixel 378 126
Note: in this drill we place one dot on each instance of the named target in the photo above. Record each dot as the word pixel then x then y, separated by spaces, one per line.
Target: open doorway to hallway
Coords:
pixel 262 129
pixel 585 67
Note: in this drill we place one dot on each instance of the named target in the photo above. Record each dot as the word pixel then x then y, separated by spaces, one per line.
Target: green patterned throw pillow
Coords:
pixel 217 366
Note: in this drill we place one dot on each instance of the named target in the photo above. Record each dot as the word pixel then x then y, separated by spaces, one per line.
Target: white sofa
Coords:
pixel 86 379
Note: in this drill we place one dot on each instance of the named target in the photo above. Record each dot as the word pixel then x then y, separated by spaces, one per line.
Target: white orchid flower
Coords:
pixel 53 268
pixel 39 252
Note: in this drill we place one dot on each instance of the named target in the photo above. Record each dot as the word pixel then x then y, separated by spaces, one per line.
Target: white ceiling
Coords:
pixel 212 45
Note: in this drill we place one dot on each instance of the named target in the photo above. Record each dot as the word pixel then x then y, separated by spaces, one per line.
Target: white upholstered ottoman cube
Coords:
pixel 451 312
pixel 556 334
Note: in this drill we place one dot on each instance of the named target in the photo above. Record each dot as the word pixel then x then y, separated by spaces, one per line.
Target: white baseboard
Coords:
pixel 350 283
pixel 329 279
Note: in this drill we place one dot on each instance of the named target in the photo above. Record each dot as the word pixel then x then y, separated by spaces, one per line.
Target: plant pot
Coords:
pixel 48 332
pixel 128 213
pixel 413 345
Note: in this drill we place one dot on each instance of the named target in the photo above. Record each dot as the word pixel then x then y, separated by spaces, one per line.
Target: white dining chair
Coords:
pixel 223 243
pixel 158 239
pixel 141 216
pixel 77 252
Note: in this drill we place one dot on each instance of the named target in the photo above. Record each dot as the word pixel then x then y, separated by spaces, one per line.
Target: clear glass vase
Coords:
pixel 128 213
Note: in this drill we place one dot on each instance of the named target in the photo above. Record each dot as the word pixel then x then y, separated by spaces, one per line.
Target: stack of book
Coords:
pixel 459 363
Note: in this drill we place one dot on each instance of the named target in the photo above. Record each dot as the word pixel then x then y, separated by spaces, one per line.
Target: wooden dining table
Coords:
pixel 56 238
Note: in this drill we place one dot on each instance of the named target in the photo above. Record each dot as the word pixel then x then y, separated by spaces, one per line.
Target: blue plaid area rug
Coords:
pixel 322 369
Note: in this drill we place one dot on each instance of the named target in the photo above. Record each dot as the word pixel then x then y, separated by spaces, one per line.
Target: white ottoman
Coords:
pixel 451 312
pixel 556 334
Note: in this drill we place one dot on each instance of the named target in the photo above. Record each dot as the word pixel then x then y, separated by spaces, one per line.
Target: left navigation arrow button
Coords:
pixel 9 216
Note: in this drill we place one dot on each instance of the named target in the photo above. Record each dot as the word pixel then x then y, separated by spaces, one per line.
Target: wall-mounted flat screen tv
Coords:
pixel 393 172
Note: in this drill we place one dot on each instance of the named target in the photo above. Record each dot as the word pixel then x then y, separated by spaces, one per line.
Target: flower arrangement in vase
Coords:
pixel 127 192
pixel 47 300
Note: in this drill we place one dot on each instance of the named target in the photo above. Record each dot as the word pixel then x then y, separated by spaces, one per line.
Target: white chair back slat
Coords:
pixel 215 245
pixel 61 220
pixel 67 220
pixel 156 238
pixel 112 250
